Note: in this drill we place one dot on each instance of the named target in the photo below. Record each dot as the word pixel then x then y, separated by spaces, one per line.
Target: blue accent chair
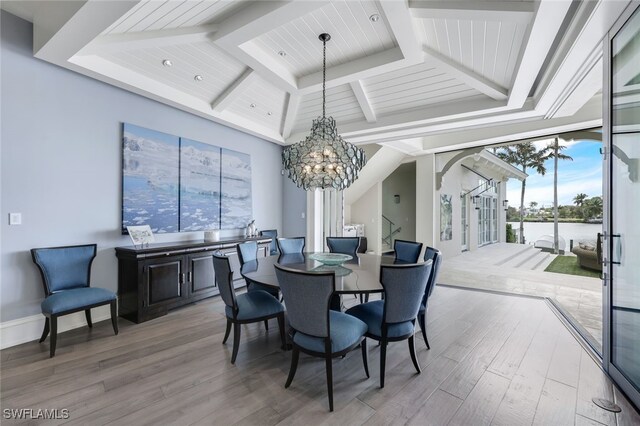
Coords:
pixel 317 330
pixel 291 245
pixel 66 276
pixel 393 319
pixel 344 245
pixel 246 308
pixel 407 251
pixel 273 234
pixel 435 256
pixel 248 252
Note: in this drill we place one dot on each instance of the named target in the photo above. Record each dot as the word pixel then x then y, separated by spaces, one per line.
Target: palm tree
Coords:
pixel 523 155
pixel 533 205
pixel 579 199
pixel 554 150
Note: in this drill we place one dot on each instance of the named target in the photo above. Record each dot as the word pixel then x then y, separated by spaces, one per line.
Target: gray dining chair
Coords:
pixel 435 256
pixel 393 319
pixel 248 252
pixel 273 234
pixel 344 245
pixel 66 277
pixel 407 251
pixel 291 245
pixel 246 308
pixel 317 330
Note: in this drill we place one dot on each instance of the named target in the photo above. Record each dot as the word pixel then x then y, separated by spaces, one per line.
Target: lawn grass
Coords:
pixel 569 265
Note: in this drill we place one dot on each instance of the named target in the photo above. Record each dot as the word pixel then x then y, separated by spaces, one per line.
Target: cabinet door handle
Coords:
pixel 189 276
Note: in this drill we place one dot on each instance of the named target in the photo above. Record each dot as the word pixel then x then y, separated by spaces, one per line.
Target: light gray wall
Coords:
pixel 403 183
pixel 61 165
pixel 295 205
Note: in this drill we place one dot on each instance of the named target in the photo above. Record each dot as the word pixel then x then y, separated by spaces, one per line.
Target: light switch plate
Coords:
pixel 15 218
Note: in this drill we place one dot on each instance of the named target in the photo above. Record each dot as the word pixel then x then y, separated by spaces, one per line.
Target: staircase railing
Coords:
pixel 387 230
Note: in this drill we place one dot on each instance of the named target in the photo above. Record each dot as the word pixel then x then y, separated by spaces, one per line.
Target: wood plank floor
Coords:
pixel 494 359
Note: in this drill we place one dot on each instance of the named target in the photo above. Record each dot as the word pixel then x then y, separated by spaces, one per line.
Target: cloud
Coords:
pixel 542 144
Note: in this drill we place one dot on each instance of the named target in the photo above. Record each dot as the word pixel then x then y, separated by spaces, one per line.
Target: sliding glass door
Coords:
pixel 622 237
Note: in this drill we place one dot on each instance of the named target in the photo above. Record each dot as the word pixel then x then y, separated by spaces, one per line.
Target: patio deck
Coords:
pixel 519 269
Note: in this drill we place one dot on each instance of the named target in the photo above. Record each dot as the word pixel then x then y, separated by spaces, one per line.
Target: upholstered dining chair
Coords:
pixel 435 256
pixel 393 319
pixel 291 245
pixel 246 308
pixel 317 330
pixel 66 277
pixel 273 234
pixel 407 251
pixel 247 252
pixel 344 245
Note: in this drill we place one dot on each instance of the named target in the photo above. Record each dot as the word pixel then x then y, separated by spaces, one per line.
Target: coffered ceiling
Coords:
pixel 397 70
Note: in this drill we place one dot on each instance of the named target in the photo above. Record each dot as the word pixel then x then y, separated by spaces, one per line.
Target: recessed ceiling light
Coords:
pixel 282 53
pixel 252 105
pixel 167 63
pixel 197 77
pixel 374 18
pixel 269 113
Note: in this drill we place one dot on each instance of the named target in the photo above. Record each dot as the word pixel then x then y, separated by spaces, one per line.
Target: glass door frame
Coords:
pixel 464 221
pixel 607 246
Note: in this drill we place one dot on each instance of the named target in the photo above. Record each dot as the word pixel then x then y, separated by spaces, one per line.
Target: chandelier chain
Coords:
pixel 324 77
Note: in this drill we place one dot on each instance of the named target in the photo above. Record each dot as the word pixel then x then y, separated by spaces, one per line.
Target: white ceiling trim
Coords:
pixel 234 90
pixel 293 104
pixel 511 11
pixel 363 100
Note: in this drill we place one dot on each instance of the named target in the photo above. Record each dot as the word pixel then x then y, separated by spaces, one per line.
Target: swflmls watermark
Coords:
pixel 35 413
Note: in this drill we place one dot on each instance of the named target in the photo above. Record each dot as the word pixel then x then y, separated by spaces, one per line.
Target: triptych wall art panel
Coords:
pixel 175 184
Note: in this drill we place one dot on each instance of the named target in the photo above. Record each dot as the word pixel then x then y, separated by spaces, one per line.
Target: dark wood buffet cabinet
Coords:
pixel 156 278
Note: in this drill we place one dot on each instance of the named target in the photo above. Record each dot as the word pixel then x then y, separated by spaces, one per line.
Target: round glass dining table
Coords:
pixel 360 275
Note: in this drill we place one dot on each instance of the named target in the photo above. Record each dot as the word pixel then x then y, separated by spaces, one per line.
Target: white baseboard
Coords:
pixel 27 329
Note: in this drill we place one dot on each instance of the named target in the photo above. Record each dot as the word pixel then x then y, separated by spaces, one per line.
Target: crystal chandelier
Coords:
pixel 323 160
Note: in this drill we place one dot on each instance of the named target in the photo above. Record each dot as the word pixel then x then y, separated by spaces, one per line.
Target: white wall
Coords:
pixel 401 182
pixel 426 219
pixel 368 210
pixel 61 154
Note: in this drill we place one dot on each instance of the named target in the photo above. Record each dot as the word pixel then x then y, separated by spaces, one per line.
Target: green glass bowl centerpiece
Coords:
pixel 331 259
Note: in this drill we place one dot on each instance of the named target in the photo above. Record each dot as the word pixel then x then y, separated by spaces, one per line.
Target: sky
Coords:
pixel 582 175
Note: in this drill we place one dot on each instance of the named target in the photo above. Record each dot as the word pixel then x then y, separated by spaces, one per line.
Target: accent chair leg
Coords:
pixel 365 356
pixel 283 337
pixel 266 325
pixel 87 314
pixel 295 355
pixel 45 331
pixel 423 327
pixel 329 363
pixel 383 360
pixel 54 336
pixel 114 317
pixel 236 341
pixel 412 351
pixel 226 333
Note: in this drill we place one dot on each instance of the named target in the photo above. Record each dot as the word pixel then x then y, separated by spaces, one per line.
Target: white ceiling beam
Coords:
pixel 146 39
pixel 546 25
pixel 403 28
pixel 508 11
pixel 234 90
pixel 291 113
pixel 363 100
pixel 466 75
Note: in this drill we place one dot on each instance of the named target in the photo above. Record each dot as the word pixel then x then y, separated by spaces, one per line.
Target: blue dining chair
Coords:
pixel 291 245
pixel 246 308
pixel 393 319
pixel 248 252
pixel 317 330
pixel 407 251
pixel 273 245
pixel 344 245
pixel 66 277
pixel 435 256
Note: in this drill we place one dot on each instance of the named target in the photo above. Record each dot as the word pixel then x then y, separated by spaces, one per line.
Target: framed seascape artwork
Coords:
pixel 140 235
pixel 150 167
pixel 175 184
pixel 446 217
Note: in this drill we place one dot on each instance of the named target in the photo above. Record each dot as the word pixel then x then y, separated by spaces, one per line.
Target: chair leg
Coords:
pixel 383 360
pixel 282 333
pixel 423 327
pixel 87 314
pixel 236 341
pixel 45 332
pixel 54 336
pixel 412 351
pixel 329 363
pixel 226 333
pixel 266 325
pixel 114 317
pixel 295 355
pixel 365 360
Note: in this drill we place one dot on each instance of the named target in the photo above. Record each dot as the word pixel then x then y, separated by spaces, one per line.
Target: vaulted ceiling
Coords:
pixel 404 73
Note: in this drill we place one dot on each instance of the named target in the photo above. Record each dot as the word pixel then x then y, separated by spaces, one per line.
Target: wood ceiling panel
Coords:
pixel 266 98
pixel 353 36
